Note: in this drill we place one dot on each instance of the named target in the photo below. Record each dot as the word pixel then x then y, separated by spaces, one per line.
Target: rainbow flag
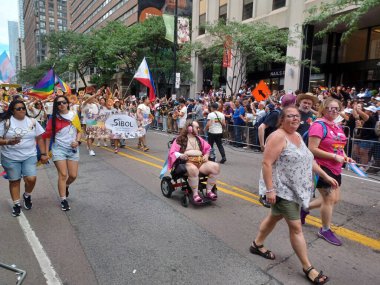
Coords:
pixel 45 87
pixel 63 85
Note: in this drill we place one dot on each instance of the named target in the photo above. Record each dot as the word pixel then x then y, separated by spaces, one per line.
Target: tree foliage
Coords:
pixel 340 12
pixel 260 43
pixel 117 48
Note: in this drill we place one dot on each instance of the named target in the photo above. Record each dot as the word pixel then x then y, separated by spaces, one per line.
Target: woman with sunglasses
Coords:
pixel 287 182
pixel 63 130
pixel 18 135
pixel 327 141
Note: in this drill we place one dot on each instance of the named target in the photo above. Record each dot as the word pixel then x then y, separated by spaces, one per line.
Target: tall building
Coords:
pixel 87 15
pixel 352 63
pixel 40 18
pixel 13 42
pixel 21 18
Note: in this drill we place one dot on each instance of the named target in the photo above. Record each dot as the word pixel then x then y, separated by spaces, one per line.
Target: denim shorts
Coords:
pixel 64 153
pixel 366 144
pixel 16 169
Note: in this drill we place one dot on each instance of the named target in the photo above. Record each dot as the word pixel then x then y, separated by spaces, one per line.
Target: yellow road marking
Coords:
pixel 311 220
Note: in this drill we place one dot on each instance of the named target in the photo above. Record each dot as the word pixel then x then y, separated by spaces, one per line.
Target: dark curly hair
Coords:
pixel 7 115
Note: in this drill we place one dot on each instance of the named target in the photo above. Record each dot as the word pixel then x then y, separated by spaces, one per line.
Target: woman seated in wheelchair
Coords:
pixel 193 151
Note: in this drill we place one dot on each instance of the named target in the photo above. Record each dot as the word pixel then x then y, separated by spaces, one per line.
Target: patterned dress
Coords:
pixel 292 174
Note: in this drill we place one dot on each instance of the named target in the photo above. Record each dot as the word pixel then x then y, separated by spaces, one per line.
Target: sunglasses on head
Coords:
pixel 61 103
pixel 20 108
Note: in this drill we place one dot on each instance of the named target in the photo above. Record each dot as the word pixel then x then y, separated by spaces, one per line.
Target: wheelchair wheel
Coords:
pixel 167 187
pixel 214 190
pixel 185 201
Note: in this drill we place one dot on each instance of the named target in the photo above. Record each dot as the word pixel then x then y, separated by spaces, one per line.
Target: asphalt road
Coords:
pixel 121 230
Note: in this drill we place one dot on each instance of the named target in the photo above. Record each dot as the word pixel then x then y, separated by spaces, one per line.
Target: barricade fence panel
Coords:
pixel 365 152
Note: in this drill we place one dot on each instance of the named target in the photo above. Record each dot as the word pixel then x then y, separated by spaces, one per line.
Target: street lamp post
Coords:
pixel 175 45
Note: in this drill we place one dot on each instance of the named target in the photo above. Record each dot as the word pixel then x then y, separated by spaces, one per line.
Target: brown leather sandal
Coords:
pixel 255 249
pixel 316 279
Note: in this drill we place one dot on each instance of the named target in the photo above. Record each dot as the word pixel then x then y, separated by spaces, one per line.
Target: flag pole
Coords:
pixel 125 93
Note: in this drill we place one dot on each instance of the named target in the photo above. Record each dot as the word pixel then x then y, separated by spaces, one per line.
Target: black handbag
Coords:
pixel 179 167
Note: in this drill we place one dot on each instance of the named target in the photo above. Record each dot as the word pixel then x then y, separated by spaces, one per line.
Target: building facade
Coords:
pixel 353 63
pixel 13 43
pixel 40 18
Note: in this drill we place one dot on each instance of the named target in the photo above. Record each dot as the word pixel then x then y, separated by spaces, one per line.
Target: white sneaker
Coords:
pixel 105 144
pixel 98 144
pixel 91 152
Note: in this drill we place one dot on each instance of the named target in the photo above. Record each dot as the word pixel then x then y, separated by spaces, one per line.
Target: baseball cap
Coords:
pixel 270 106
pixel 371 108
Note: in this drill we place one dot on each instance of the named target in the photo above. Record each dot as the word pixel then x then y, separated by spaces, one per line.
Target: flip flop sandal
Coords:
pixel 316 279
pixel 197 199
pixel 255 249
pixel 212 196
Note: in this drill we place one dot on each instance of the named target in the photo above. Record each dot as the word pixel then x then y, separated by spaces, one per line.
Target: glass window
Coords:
pixel 319 54
pixel 278 4
pixel 354 49
pixel 374 44
pixel 223 12
pixel 247 9
pixel 202 21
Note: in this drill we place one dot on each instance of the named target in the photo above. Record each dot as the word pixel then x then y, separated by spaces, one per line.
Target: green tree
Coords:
pixel 330 14
pixel 258 43
pixel 71 51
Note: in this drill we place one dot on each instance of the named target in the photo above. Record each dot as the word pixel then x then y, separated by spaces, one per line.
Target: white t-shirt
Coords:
pixel 145 110
pixel 88 110
pixel 260 114
pixel 28 129
pixel 182 120
pixel 39 115
pixel 68 134
pixel 49 107
pixel 216 126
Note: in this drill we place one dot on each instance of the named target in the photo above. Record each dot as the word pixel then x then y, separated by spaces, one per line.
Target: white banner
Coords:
pixel 124 127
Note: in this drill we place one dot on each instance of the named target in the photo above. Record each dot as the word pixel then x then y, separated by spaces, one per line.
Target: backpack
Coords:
pixel 262 119
pixel 305 136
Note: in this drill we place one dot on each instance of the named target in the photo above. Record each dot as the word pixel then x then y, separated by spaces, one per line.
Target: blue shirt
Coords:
pixel 239 112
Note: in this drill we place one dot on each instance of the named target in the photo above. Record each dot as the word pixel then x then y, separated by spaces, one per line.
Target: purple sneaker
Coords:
pixel 329 237
pixel 303 215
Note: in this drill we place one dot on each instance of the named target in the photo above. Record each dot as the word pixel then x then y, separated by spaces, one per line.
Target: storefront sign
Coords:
pixel 278 73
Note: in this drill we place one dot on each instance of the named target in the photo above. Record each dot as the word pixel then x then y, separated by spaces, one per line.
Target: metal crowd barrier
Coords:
pixel 247 137
pixel 20 274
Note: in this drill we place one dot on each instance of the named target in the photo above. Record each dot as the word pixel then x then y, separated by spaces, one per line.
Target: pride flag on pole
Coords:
pixel 144 76
pixel 45 87
pixel 7 71
pixel 63 85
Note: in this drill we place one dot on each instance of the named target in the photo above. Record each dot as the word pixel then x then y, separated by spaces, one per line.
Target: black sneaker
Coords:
pixel 27 202
pixel 65 205
pixel 16 211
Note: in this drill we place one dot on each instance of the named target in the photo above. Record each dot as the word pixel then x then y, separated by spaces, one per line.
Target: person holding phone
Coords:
pixel 18 136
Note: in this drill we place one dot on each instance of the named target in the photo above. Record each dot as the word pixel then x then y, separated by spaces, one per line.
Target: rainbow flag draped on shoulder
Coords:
pixel 45 87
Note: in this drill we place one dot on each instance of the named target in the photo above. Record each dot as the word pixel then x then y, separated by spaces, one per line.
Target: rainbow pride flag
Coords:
pixel 63 85
pixel 45 87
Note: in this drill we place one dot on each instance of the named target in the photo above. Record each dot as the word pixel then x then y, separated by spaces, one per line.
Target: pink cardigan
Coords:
pixel 176 148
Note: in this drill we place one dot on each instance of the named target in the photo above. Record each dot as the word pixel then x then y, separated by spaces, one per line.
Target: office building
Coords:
pixel 40 18
pixel 13 42
pixel 352 63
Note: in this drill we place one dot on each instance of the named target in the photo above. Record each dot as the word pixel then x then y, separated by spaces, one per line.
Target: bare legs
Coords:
pixel 67 173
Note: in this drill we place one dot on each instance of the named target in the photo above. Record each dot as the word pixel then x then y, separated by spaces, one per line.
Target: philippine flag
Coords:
pixel 144 76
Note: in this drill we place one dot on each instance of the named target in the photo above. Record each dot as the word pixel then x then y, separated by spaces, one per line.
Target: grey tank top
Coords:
pixel 292 174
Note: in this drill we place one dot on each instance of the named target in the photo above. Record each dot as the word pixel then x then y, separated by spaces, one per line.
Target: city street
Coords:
pixel 122 230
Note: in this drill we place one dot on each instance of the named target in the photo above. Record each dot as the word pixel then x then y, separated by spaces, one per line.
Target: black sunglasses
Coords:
pixel 20 108
pixel 61 103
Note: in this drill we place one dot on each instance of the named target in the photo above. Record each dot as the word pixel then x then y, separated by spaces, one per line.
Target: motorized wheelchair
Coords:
pixel 179 181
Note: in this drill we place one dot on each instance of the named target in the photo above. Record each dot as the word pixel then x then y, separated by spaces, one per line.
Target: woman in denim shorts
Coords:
pixel 64 131
pixel 18 135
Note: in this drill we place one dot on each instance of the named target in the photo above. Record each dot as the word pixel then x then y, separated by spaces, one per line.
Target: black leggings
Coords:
pixel 217 138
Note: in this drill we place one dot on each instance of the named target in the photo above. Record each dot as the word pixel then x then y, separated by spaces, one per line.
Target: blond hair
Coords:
pixel 324 104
